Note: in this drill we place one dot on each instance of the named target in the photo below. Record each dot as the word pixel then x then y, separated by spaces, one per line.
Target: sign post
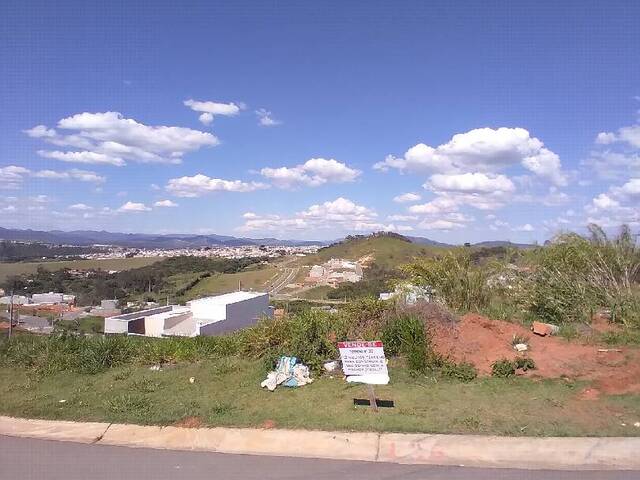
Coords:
pixel 364 362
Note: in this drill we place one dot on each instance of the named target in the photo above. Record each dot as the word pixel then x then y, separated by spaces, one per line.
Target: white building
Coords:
pixel 204 316
pixel 17 300
pixel 232 311
pixel 317 271
pixel 53 298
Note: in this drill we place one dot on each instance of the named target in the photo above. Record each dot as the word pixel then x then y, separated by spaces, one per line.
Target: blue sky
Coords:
pixel 311 120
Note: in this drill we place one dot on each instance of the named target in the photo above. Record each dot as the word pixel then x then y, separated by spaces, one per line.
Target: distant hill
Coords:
pixel 386 249
pixel 141 240
pixel 428 241
pixel 502 243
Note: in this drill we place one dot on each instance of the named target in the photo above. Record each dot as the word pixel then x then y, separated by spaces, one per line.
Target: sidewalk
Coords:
pixel 473 451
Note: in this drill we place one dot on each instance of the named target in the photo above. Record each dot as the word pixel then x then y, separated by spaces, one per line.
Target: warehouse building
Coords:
pixel 205 316
pixel 53 298
pixel 229 312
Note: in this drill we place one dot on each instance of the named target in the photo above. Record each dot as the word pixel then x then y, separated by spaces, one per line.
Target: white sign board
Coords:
pixel 363 358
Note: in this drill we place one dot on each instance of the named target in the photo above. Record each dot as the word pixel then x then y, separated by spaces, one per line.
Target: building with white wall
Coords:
pixel 229 312
pixel 205 316
pixel 53 298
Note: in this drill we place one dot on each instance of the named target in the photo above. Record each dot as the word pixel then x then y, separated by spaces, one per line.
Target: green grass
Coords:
pixel 315 293
pixel 388 252
pixel 226 392
pixel 625 336
pixel 20 268
pixel 251 279
pixel 92 324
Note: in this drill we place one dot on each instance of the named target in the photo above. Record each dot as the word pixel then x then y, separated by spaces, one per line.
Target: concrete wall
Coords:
pixel 154 326
pixel 115 326
pixel 109 304
pixel 182 325
pixel 240 315
pixel 207 310
pixel 47 298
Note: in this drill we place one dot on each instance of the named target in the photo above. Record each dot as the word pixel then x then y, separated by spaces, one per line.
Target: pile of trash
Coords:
pixel 288 373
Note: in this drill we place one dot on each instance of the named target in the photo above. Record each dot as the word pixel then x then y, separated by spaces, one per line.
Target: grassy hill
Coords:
pixel 387 250
pixel 22 268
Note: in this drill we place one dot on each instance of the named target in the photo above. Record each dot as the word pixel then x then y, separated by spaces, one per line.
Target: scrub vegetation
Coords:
pixel 565 282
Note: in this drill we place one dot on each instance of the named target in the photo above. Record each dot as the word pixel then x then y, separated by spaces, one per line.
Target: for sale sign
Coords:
pixel 363 358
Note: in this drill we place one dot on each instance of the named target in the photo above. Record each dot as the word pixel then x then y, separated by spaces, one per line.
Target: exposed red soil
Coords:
pixel 268 424
pixel 481 341
pixel 189 422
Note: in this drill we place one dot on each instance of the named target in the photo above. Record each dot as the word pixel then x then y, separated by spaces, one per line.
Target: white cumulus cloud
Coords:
pixel 198 185
pixel 471 183
pixel 481 150
pixel 109 138
pixel 312 173
pixel 165 204
pixel 527 227
pixel 80 207
pixel 134 207
pixel 340 214
pixel 407 198
pixel 265 118
pixel 210 109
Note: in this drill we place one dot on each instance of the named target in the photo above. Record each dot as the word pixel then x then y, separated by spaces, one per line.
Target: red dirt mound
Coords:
pixel 481 341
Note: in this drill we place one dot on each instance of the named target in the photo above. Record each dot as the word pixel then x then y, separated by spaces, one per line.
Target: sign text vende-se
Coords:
pixel 363 358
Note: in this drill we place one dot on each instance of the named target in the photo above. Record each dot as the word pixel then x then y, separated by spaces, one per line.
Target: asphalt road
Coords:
pixel 27 459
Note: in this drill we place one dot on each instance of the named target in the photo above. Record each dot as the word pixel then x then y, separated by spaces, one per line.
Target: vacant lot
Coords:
pixel 250 279
pixel 8 269
pixel 227 392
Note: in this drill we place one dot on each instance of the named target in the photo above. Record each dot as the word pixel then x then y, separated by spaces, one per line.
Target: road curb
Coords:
pixel 80 432
pixel 566 453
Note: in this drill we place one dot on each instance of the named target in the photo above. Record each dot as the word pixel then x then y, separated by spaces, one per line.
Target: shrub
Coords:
pixel 464 372
pixel 575 276
pixel 524 363
pixel 456 279
pixel 503 368
pixel 406 335
pixel 310 335
pixel 102 353
pixel 507 368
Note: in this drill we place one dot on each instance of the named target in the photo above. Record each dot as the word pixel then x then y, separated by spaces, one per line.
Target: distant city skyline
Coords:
pixel 455 121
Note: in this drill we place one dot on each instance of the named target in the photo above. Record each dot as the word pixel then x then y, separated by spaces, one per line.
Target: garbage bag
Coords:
pixel 288 373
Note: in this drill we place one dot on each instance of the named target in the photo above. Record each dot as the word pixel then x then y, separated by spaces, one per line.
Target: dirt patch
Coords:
pixel 189 422
pixel 482 341
pixel 434 315
pixel 366 260
pixel 268 424
pixel 600 324
pixel 589 394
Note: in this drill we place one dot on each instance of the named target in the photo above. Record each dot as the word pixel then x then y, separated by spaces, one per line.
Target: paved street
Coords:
pixel 27 459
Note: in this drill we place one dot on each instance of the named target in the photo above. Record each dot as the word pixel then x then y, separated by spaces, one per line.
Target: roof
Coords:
pixel 145 313
pixel 228 298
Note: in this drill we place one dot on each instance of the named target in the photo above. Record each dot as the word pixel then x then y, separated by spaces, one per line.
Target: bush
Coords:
pixel 503 368
pixel 464 372
pixel 405 335
pixel 524 364
pixel 456 279
pixel 506 368
pixel 310 335
pixel 575 276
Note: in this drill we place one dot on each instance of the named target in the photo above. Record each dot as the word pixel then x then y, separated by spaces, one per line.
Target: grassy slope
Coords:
pixel 388 251
pixel 227 392
pixel 8 269
pixel 252 279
